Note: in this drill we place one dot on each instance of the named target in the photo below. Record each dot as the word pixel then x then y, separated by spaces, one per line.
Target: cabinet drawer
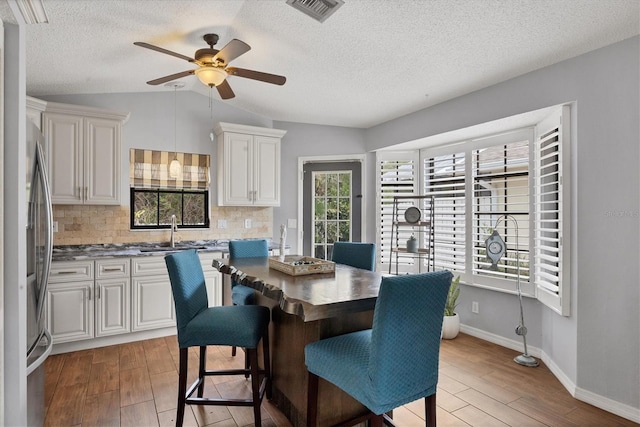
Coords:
pixel 145 266
pixel 112 268
pixel 70 271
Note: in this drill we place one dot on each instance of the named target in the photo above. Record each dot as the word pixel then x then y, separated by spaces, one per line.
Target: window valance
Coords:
pixel 150 169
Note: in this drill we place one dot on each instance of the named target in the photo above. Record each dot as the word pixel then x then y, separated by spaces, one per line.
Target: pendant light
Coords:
pixel 175 168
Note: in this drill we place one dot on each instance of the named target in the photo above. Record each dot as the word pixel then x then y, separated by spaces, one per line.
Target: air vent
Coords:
pixel 319 10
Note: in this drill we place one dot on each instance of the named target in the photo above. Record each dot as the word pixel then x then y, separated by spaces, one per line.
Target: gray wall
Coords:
pixel 305 140
pixel 598 347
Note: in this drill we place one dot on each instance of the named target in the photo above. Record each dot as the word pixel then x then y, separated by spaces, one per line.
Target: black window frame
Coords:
pixel 159 192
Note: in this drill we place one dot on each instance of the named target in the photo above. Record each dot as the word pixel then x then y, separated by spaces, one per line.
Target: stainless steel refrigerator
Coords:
pixel 39 249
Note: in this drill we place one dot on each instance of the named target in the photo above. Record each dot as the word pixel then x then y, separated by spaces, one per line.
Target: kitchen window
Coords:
pixel 475 182
pixel 152 208
pixel 155 195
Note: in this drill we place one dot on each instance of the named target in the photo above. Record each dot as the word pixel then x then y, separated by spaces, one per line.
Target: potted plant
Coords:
pixel 451 321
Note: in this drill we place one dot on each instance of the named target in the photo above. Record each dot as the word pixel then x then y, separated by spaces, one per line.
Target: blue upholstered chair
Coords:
pixel 359 255
pixel 395 362
pixel 200 326
pixel 240 294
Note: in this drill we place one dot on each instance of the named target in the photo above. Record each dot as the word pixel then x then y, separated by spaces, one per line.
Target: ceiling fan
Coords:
pixel 213 68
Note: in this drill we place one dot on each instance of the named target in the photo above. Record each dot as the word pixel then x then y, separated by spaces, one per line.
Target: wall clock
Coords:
pixel 412 215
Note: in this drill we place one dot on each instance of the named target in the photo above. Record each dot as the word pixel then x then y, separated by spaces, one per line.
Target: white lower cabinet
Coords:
pixel 104 297
pixel 152 300
pixel 82 304
pixel 70 311
pixel 113 306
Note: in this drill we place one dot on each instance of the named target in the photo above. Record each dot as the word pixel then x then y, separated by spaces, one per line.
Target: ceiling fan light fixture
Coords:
pixel 211 76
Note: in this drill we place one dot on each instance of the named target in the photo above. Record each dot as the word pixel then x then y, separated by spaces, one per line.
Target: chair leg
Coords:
pixel 182 386
pixel 376 420
pixel 201 369
pixel 233 351
pixel 267 361
pixel 255 384
pixel 247 364
pixel 430 410
pixel 312 400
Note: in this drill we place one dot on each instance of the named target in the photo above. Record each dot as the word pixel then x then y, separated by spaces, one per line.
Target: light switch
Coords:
pixel 55 226
pixel 247 223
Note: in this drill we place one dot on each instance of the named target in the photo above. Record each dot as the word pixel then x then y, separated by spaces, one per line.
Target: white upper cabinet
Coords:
pixel 248 165
pixel 84 146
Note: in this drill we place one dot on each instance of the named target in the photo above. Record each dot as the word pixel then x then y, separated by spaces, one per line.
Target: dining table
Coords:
pixel 304 309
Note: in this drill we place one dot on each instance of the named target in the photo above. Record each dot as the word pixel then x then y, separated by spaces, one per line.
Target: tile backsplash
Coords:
pixel 84 224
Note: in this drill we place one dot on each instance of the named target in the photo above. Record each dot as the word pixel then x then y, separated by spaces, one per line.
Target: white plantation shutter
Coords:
pixel 524 174
pixel 551 264
pixel 444 179
pixel 500 171
pixel 397 176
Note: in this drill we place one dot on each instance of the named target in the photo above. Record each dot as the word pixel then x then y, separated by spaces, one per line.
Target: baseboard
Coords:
pixel 66 347
pixel 604 403
pixel 500 340
pixel 609 405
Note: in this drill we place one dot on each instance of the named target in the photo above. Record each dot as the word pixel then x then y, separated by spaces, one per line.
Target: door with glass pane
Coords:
pixel 331 206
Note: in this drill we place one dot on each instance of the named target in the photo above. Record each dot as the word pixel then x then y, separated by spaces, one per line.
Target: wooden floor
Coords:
pixel 135 384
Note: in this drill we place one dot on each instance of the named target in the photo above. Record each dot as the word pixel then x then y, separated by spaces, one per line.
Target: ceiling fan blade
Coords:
pixel 231 51
pixel 225 90
pixel 161 50
pixel 170 77
pixel 256 75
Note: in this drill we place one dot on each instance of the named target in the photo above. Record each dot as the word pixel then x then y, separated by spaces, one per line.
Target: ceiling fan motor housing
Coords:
pixel 205 56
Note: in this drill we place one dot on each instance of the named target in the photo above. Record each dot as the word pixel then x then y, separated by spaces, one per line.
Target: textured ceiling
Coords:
pixel 372 61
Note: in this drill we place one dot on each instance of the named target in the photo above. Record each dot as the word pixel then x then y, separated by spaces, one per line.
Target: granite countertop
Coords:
pixel 78 252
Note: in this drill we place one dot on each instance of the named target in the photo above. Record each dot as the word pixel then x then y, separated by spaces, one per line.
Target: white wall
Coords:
pixel 598 347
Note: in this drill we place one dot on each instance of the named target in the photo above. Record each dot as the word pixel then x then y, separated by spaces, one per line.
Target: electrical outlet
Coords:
pixel 222 223
pixel 475 307
pixel 247 223
pixel 55 226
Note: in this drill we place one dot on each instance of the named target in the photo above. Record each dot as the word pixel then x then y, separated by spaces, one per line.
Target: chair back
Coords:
pixel 187 285
pixel 248 248
pixel 355 254
pixel 405 337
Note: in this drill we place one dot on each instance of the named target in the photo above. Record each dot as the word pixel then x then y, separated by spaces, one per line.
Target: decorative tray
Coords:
pixel 295 265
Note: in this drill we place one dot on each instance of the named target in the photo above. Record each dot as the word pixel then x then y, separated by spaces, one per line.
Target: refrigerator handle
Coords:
pixel 40 169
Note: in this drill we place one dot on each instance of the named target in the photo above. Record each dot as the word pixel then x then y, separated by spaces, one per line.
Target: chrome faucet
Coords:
pixel 174 228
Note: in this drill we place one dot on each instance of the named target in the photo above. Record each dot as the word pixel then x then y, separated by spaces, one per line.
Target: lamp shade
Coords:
pixel 175 169
pixel 211 76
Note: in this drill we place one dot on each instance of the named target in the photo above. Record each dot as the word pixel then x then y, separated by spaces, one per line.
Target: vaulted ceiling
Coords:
pixel 369 62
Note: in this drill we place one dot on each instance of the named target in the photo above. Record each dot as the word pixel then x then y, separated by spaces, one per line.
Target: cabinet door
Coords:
pixel 70 311
pixel 266 180
pixel 112 306
pixel 64 139
pixel 102 161
pixel 236 186
pixel 152 302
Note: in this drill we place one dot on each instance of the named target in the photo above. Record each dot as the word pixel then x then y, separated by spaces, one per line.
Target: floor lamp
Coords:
pixel 496 248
